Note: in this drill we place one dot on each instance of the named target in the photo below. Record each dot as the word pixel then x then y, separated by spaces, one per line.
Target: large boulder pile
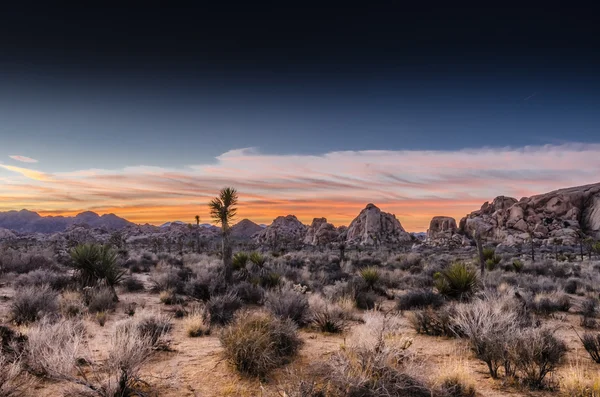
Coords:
pixel 320 232
pixel 284 231
pixel 563 214
pixel 374 227
pixel 443 231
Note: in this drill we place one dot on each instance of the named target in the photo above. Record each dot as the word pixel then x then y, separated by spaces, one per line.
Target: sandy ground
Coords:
pixel 195 366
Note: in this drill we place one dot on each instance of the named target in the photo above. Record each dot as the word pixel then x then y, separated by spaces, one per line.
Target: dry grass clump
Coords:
pixel 453 378
pixel 257 343
pixel 194 324
pixel 32 303
pixel 327 316
pixel 71 304
pixel 40 277
pixel 577 382
pixel 433 322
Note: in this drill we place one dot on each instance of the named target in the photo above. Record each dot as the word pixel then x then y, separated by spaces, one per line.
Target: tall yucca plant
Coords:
pixel 94 263
pixel 223 210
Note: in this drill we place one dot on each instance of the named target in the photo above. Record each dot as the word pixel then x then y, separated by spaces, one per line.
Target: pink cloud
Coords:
pixel 23 159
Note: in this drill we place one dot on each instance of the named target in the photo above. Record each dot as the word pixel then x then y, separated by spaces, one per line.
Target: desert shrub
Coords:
pixel 255 344
pixel 32 303
pixel 536 353
pixel 101 318
pixel 419 299
pixel 591 343
pixel 249 293
pixel 571 286
pixel 370 275
pixel 220 309
pixel 132 284
pixel 167 279
pixel 589 307
pixel 288 304
pixel 433 322
pixel 93 263
pixel 548 304
pixel 58 352
pixel 375 362
pixel 269 280
pixel 365 300
pixel 169 297
pixel 194 324
pixel 458 281
pixel 152 327
pixel 99 299
pixel 490 327
pixel 409 261
pixel 41 277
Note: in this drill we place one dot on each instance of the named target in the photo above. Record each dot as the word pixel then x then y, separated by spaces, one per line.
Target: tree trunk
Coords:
pixel 227 257
pixel 532 250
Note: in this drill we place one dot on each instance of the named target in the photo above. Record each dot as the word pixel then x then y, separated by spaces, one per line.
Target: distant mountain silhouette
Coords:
pixel 25 221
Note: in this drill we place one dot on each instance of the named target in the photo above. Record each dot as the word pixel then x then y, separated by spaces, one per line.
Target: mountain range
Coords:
pixel 25 221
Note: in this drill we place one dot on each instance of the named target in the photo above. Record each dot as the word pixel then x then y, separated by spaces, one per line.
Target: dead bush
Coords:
pixel 32 303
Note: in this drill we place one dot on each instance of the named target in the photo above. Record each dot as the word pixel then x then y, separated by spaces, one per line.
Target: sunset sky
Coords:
pixel 147 113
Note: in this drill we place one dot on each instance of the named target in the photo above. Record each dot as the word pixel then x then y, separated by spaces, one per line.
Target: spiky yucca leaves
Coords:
pixel 370 275
pixel 240 260
pixel 591 343
pixel 223 210
pixel 94 263
pixel 257 259
pixel 459 281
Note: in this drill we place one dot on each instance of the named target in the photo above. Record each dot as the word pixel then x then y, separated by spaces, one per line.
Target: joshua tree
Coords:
pixel 198 233
pixel 223 210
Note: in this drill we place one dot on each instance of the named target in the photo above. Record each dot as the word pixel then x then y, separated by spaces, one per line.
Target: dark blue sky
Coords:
pixel 106 88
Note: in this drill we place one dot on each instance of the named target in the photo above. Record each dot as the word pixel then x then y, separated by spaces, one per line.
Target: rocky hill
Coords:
pixel 31 222
pixel 285 230
pixel 374 227
pixel 562 214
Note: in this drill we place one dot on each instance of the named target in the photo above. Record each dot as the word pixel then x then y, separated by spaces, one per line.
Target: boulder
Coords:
pixel 320 232
pixel 284 231
pixel 374 227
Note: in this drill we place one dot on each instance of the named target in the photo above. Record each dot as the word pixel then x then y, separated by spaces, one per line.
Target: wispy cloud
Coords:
pixel 23 159
pixel 337 185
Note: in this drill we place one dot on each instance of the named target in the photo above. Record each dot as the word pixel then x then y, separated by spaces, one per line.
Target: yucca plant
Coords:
pixel 458 281
pixel 257 259
pixel 94 263
pixel 240 260
pixel 370 275
pixel 223 210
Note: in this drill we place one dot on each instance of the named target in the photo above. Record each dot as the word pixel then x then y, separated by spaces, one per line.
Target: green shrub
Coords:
pixel 257 259
pixel 240 260
pixel 255 344
pixel 459 281
pixel 518 265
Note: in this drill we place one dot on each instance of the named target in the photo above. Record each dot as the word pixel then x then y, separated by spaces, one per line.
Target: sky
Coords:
pixel 313 110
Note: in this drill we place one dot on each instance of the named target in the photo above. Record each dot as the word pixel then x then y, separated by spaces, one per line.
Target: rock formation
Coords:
pixel 6 234
pixel 284 231
pixel 374 227
pixel 320 232
pixel 444 232
pixel 245 229
pixel 561 214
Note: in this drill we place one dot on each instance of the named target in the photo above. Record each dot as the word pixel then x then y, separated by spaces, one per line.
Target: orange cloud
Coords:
pixel 415 185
